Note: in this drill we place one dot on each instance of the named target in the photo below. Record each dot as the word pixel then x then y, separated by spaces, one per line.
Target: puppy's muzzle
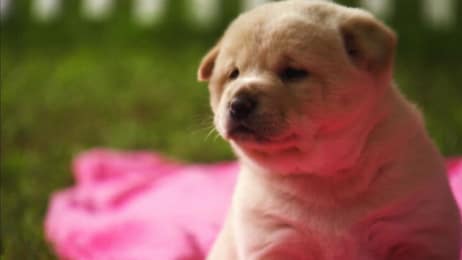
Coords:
pixel 241 113
pixel 241 107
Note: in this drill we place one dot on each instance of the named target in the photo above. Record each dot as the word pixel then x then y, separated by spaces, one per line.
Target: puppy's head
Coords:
pixel 288 75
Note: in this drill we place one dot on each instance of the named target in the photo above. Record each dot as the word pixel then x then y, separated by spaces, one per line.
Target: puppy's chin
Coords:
pixel 253 141
pixel 276 158
pixel 276 153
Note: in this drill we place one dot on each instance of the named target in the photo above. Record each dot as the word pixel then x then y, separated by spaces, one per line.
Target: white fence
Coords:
pixel 435 13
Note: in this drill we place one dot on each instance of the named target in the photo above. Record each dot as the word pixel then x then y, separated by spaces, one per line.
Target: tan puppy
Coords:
pixel 335 162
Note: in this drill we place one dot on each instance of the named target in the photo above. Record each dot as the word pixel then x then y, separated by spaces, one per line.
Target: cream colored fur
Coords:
pixel 343 167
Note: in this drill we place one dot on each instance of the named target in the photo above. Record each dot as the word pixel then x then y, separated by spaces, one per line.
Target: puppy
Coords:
pixel 335 162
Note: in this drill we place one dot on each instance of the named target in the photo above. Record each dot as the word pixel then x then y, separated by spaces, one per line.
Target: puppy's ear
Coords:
pixel 208 63
pixel 369 43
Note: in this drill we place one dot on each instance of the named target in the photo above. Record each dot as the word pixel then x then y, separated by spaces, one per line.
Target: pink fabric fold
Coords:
pixel 141 206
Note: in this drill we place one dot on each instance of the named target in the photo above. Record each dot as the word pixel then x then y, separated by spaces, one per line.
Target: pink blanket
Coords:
pixel 140 206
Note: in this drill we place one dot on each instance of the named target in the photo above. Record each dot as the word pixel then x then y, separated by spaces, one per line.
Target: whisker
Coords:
pixel 212 131
pixel 217 135
pixel 203 125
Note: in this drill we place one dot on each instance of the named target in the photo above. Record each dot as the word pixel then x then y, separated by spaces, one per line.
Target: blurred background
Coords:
pixel 79 74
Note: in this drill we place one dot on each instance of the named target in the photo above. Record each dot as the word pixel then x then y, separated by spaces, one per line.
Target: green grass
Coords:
pixel 56 105
pixel 58 100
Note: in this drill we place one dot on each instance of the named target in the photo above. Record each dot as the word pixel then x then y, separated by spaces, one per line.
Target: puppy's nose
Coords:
pixel 241 107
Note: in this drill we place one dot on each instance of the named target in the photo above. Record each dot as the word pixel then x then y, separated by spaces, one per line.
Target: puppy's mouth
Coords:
pixel 249 137
pixel 241 131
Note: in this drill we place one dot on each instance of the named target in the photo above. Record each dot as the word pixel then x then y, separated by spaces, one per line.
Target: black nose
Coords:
pixel 241 107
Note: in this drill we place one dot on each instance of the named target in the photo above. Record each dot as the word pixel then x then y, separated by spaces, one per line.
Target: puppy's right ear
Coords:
pixel 208 63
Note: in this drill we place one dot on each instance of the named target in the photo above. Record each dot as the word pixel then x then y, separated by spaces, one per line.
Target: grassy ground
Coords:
pixel 56 105
pixel 58 99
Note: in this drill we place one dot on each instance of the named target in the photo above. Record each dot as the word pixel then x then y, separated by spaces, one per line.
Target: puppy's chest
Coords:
pixel 270 226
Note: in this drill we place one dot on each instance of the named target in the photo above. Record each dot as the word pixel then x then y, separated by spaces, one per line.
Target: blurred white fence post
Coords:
pixel 381 8
pixel 97 9
pixel 249 4
pixel 204 12
pixel 4 8
pixel 440 13
pixel 148 12
pixel 46 10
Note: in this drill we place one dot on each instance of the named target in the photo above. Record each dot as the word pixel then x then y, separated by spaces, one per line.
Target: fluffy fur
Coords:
pixel 336 163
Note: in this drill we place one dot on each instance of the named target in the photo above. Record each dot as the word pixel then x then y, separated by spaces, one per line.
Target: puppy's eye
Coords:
pixel 234 74
pixel 292 74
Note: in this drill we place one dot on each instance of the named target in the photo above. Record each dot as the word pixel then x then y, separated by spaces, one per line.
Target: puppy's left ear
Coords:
pixel 369 43
pixel 207 64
